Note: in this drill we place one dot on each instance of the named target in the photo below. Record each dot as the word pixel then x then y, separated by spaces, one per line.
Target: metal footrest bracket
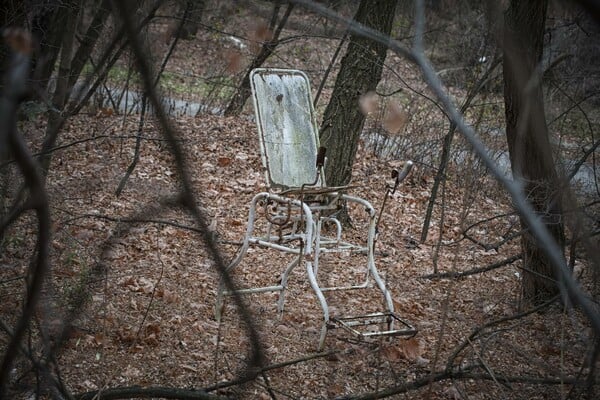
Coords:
pixel 359 325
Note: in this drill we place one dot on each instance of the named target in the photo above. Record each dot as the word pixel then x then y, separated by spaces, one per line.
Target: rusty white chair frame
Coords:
pixel 299 204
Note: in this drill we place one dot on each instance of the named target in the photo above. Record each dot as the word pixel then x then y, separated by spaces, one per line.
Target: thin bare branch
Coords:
pixel 474 271
pixel 187 197
pixel 14 89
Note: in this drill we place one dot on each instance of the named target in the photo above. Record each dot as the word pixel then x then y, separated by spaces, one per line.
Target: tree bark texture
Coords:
pixel 12 14
pixel 360 72
pixel 88 42
pixel 61 92
pixel 192 12
pixel 528 142
pixel 49 22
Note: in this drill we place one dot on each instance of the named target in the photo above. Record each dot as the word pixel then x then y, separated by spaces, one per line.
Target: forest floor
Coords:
pixel 149 317
pixel 141 287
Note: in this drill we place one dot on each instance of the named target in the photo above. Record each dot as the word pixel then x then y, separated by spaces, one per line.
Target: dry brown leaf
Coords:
pixel 223 161
pixel 126 336
pixel 410 308
pixel 138 348
pixel 153 329
pixel 98 339
pixel 105 112
pixel 129 281
pixel 235 222
pixel 167 295
pixel 411 348
pixel 392 353
pixel 233 58
pixel 151 340
pixel 284 330
pixel 453 393
pixel 408 349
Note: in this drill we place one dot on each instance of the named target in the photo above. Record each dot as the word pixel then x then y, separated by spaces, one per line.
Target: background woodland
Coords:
pixel 129 155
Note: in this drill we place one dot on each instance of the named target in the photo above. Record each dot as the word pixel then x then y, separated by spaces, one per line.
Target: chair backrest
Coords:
pixel 287 126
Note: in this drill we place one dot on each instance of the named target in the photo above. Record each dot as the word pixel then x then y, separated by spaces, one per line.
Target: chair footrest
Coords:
pixel 362 325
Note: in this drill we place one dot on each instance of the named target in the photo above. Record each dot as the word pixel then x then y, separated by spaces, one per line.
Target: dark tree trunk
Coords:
pixel 61 92
pixel 12 15
pixel 48 25
pixel 88 43
pixel 528 141
pixel 359 74
pixel 191 11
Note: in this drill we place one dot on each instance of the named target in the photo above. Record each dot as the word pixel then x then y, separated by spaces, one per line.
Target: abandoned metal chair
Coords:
pixel 299 207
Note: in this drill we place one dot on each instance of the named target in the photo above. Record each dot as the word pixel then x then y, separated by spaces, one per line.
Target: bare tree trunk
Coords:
pixel 61 93
pixel 12 14
pixel 190 11
pixel 15 89
pixel 243 92
pixel 328 70
pixel 138 140
pixel 528 142
pixel 49 22
pixel 89 41
pixel 359 74
pixel 445 156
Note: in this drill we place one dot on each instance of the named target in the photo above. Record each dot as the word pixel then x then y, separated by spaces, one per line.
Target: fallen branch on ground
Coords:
pixel 474 271
pixel 185 394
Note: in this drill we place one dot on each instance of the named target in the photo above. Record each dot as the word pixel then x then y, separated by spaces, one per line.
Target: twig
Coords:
pixel 498 244
pixel 490 324
pixel 268 47
pixel 138 140
pixel 569 287
pixel 328 70
pixel 446 148
pixel 57 383
pixel 138 392
pixel 186 197
pixel 138 220
pixel 236 382
pixel 581 161
pixel 100 270
pixel 106 61
pixel 162 270
pixel 460 375
pixel 14 89
pixel 136 152
pixel 474 271
pixel 484 363
pixel 268 385
pixel 191 394
pixel 89 139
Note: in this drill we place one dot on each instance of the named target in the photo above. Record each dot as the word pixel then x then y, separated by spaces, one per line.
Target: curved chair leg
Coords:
pixel 322 301
pixel 372 269
pixel 375 273
pixel 239 256
pixel 284 278
pixel 219 304
pixel 259 241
